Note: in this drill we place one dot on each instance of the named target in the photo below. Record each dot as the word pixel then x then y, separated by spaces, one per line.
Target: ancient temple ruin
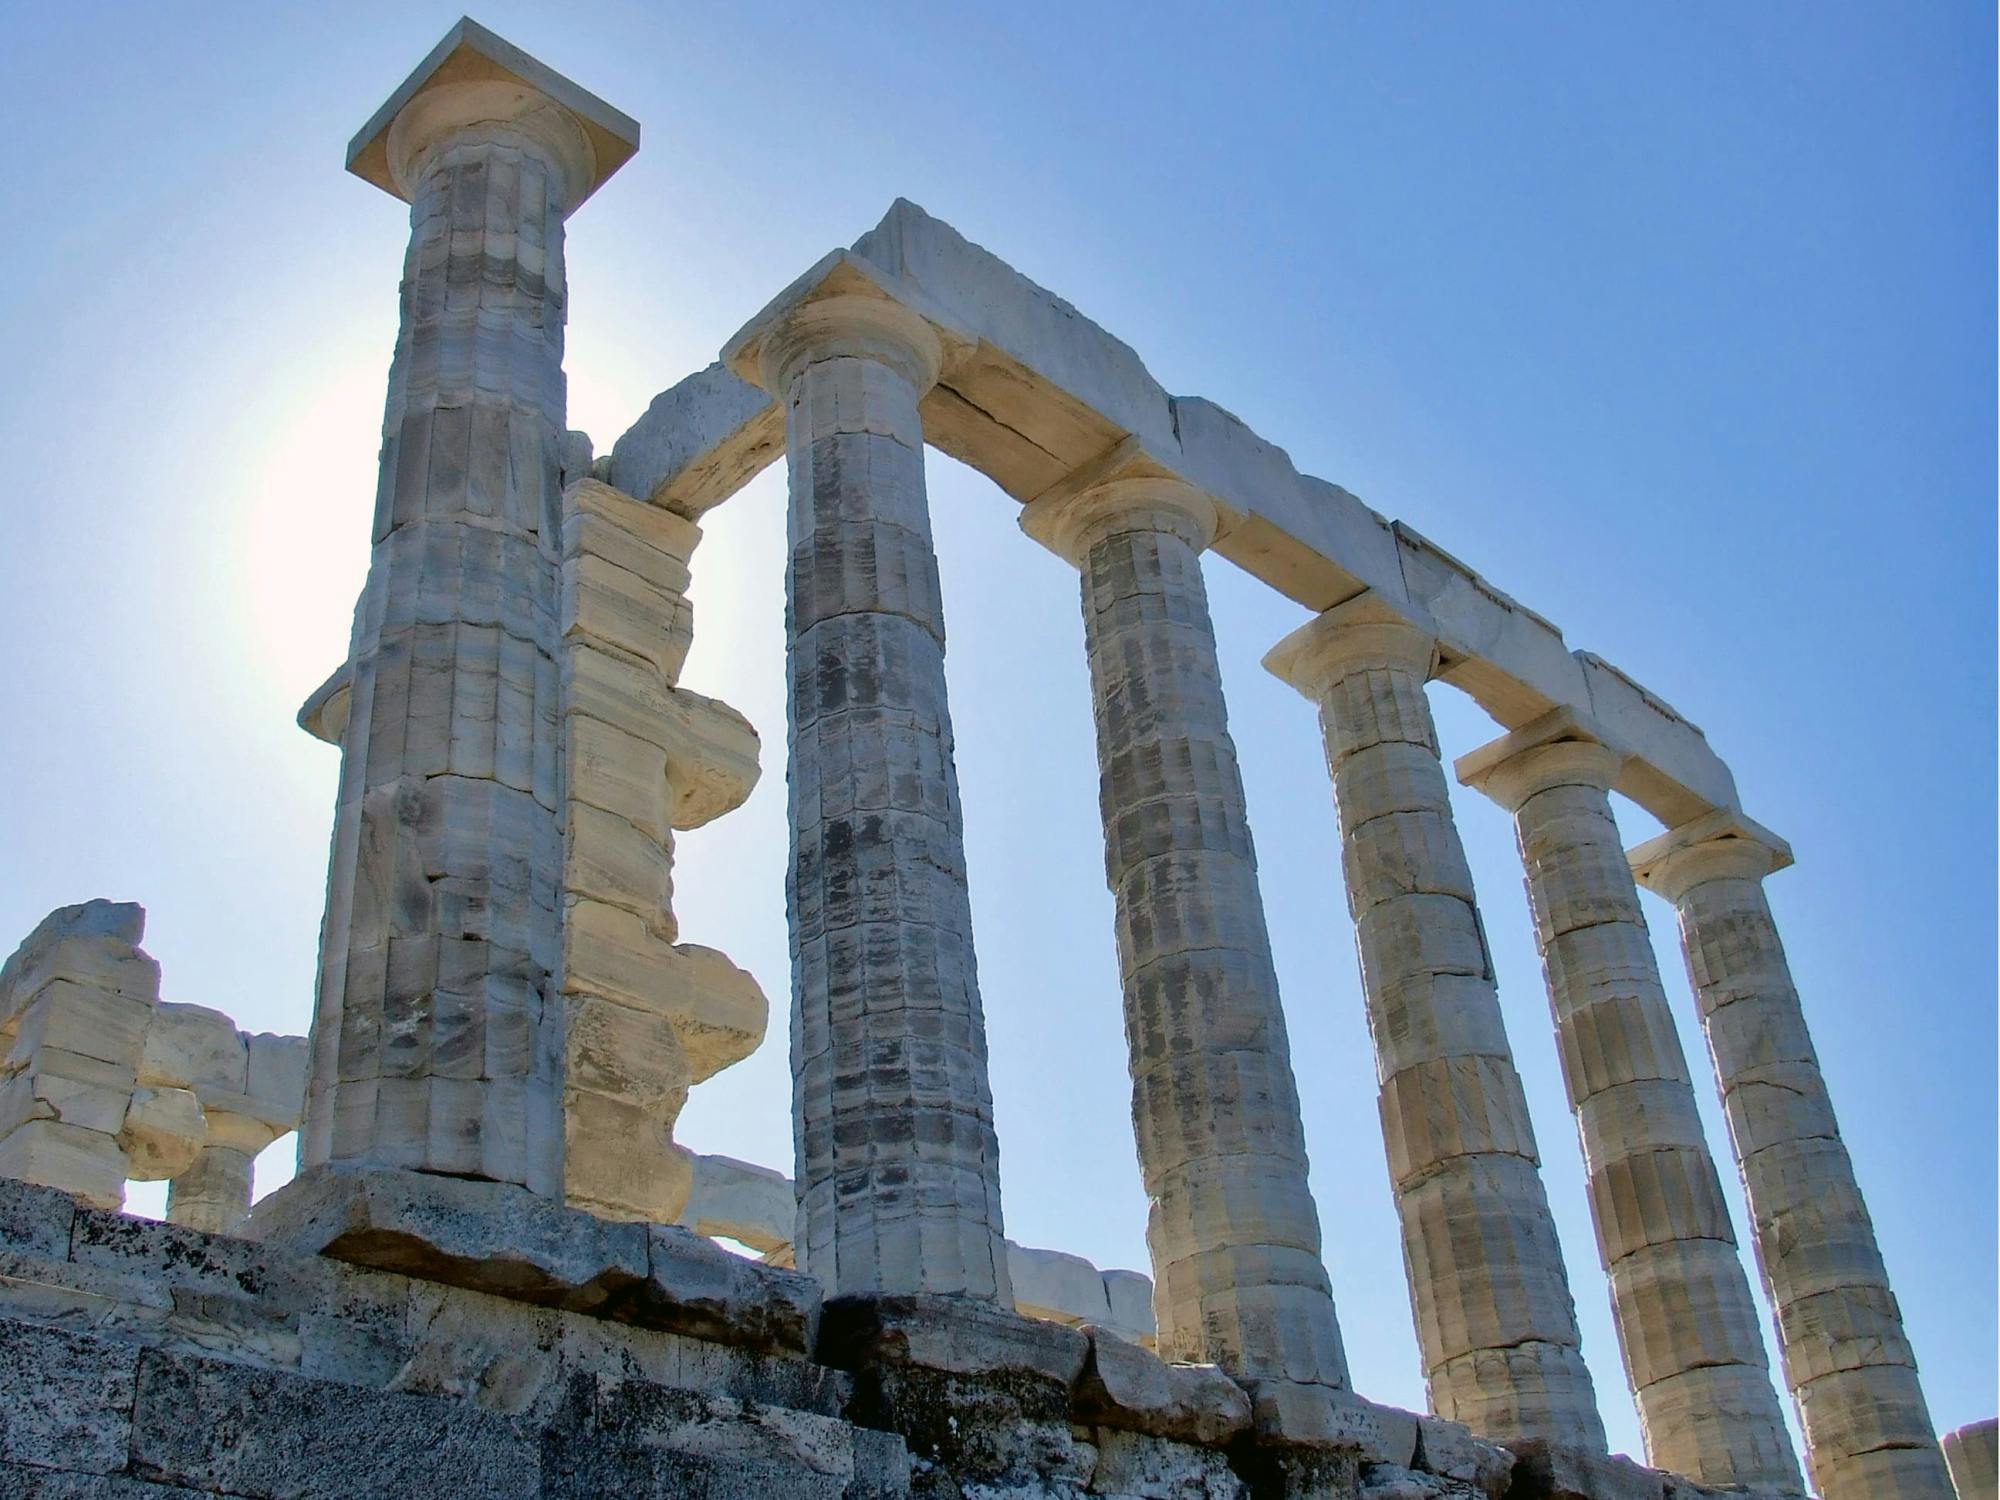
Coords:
pixel 493 1273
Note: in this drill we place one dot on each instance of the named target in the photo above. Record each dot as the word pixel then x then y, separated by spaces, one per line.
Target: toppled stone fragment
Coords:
pixel 1130 1388
pixel 489 1236
pixel 1449 1450
pixel 1321 1416
pixel 163 1133
pixel 1558 1471
pixel 696 1287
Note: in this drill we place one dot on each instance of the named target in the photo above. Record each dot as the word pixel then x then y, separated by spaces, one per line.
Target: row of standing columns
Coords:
pixel 1495 1321
pixel 894 1118
pixel 442 929
pixel 1687 1327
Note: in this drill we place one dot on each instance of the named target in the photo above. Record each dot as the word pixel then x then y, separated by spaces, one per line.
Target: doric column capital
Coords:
pixel 1561 748
pixel 844 308
pixel 852 327
pixel 1124 489
pixel 474 81
pixel 1720 845
pixel 1361 635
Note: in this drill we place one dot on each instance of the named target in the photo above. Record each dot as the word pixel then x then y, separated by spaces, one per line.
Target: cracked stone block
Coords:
pixel 163 1133
pixel 1449 1450
pixel 1127 1387
pixel 953 1335
pixel 69 1399
pixel 312 1437
pixel 1321 1416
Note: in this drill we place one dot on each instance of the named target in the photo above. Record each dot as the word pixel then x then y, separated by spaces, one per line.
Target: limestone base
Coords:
pixel 445 1338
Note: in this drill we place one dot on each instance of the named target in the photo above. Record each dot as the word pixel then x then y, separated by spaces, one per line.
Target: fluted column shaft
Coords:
pixel 1687 1327
pixel 1232 1228
pixel 1840 1332
pixel 1490 1296
pixel 214 1193
pixel 1972 1454
pixel 435 1044
pixel 897 1163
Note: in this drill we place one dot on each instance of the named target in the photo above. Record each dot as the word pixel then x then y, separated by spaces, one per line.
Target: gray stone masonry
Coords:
pixel 897 1165
pixel 1232 1227
pixel 437 1043
pixel 1840 1332
pixel 417 1357
pixel 1688 1329
pixel 1488 1290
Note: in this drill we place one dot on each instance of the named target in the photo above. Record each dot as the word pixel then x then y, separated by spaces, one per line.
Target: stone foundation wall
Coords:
pixel 561 1355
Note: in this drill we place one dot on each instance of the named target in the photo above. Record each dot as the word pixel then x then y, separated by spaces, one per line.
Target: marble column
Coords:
pixel 214 1193
pixel 897 1164
pixel 1491 1299
pixel 1972 1453
pixel 436 1041
pixel 1688 1329
pixel 1840 1333
pixel 1232 1228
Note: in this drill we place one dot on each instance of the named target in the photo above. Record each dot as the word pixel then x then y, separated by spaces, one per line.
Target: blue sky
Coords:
pixel 1676 322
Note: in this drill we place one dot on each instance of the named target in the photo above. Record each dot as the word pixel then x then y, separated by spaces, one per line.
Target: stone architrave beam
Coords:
pixel 1688 1329
pixel 1234 1234
pixel 1034 391
pixel 1488 1289
pixel 437 1039
pixel 1846 1356
pixel 897 1164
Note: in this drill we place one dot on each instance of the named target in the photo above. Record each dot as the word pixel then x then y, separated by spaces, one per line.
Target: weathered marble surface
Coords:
pixel 437 1037
pixel 1972 1453
pixel 754 1205
pixel 1487 1285
pixel 1231 1225
pixel 1687 1327
pixel 1846 1356
pixel 897 1164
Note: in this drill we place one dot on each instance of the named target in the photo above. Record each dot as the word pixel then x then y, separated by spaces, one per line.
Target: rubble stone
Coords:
pixel 1133 1389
